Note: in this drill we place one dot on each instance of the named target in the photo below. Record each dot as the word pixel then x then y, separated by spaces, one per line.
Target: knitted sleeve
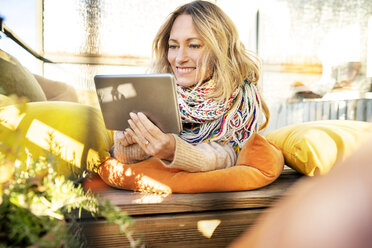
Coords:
pixel 127 154
pixel 201 157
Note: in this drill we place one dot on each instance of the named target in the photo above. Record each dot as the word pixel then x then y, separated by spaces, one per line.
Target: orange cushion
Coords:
pixel 258 164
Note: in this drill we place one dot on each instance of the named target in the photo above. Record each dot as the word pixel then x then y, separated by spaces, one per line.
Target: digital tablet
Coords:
pixel 152 94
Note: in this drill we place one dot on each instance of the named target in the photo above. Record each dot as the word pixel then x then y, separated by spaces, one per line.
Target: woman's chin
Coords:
pixel 185 82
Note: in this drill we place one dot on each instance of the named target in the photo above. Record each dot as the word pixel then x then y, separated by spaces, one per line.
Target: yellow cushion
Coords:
pixel 75 133
pixel 314 147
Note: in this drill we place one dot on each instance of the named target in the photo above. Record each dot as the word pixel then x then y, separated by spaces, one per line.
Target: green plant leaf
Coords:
pixel 34 199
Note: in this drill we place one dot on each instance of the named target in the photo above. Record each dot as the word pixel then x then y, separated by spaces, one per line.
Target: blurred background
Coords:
pixel 311 50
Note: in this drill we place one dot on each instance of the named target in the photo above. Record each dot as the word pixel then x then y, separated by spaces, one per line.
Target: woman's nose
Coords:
pixel 181 55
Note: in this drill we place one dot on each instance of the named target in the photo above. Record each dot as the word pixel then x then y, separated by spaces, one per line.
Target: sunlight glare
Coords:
pixel 11 117
pixel 342 45
pixel 147 184
pixel 151 198
pixel 207 227
pixel 69 149
pixel 128 172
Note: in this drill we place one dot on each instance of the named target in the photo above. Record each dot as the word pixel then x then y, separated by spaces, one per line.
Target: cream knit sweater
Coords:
pixel 194 158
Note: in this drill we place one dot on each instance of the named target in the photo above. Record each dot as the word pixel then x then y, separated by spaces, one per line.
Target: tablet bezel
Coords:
pixel 155 95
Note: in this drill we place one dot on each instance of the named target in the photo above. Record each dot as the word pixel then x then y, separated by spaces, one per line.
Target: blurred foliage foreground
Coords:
pixel 36 204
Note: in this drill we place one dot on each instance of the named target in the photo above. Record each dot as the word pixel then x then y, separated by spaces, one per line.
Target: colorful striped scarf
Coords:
pixel 232 120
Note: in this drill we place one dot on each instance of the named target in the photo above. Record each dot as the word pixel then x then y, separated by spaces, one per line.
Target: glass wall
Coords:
pixel 314 46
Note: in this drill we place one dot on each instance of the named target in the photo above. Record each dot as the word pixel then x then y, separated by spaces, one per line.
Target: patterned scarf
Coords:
pixel 233 120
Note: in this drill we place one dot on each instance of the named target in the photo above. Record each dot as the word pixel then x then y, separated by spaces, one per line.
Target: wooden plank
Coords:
pixel 318 110
pixel 361 110
pixel 307 111
pixel 208 229
pixel 285 112
pixel 312 115
pixel 274 117
pixel 333 110
pixel 277 120
pixel 369 111
pixel 341 110
pixel 299 112
pixel 326 110
pixel 350 109
pixel 290 114
pixel 137 203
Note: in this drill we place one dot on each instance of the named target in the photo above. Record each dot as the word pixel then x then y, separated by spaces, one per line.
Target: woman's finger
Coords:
pixel 124 140
pixel 141 129
pixel 137 134
pixel 139 140
pixel 121 137
pixel 129 136
pixel 150 127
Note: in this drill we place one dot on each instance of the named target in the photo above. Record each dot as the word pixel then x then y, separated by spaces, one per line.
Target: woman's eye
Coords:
pixel 172 46
pixel 195 46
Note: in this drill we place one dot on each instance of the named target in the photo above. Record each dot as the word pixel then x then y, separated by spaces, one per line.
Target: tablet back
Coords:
pixel 152 94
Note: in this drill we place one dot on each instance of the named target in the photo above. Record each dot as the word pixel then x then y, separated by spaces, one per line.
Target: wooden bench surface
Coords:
pixel 185 220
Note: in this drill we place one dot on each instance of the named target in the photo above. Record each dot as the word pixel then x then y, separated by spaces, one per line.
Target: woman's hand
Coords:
pixel 150 138
pixel 125 138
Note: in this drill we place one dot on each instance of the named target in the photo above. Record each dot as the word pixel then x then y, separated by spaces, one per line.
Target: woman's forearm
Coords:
pixel 201 157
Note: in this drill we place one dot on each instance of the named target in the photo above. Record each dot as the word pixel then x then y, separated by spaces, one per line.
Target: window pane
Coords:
pixel 20 17
pixel 104 27
pixel 319 44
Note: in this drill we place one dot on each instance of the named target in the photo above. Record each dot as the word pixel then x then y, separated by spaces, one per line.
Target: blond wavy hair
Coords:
pixel 226 57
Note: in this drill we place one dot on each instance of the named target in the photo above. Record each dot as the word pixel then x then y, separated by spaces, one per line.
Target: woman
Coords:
pixel 220 104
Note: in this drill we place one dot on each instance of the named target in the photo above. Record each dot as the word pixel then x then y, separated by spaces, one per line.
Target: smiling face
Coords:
pixel 185 52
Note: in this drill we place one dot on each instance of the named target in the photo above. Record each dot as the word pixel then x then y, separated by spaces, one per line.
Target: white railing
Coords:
pixel 288 113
